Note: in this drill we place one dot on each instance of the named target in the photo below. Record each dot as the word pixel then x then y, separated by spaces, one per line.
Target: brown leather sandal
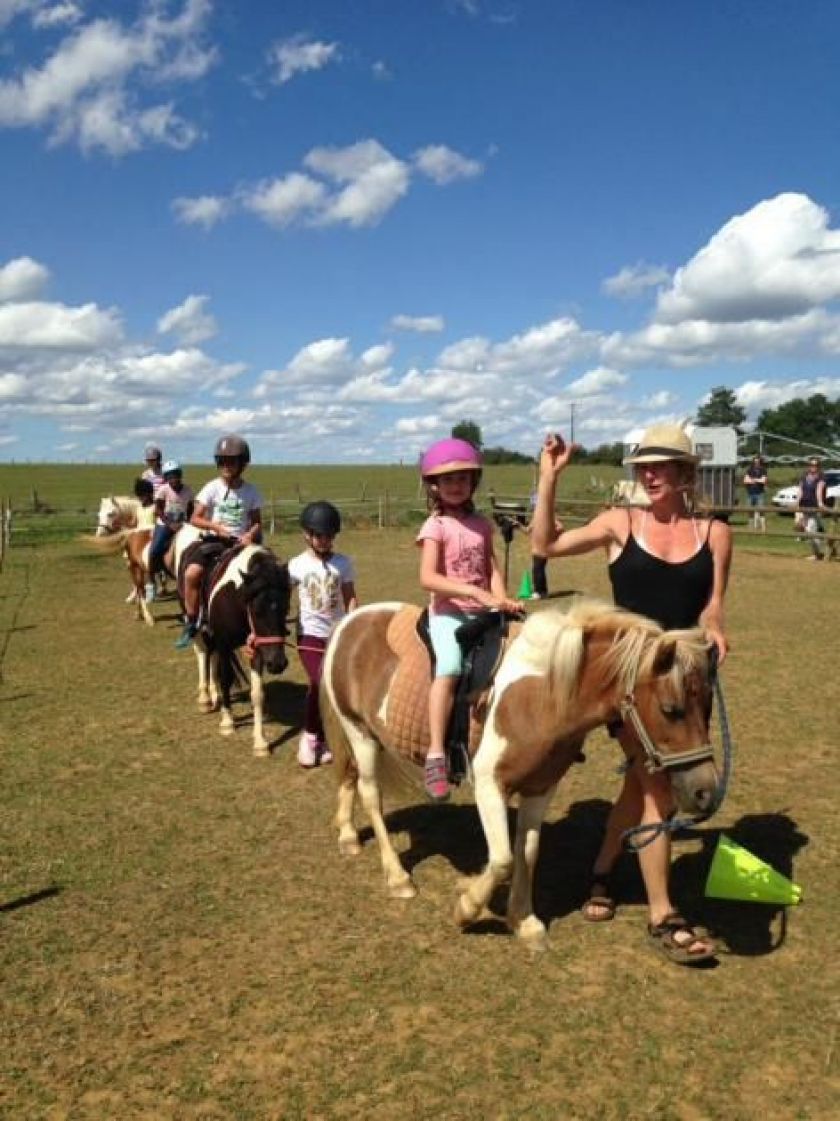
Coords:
pixel 600 906
pixel 665 937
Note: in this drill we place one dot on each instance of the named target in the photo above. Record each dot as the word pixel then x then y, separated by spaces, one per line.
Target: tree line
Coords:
pixel 813 420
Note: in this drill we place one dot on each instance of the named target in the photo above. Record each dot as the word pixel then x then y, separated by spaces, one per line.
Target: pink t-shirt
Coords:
pixel 466 546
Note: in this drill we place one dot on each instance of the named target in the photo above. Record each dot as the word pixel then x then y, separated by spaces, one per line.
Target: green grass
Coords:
pixel 202 951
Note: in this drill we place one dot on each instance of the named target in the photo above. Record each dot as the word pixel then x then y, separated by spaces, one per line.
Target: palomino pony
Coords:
pixel 247 607
pixel 560 676
pixel 118 513
pixel 135 544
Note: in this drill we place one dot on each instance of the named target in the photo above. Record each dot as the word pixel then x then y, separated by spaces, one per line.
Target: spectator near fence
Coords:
pixel 755 481
pixel 810 500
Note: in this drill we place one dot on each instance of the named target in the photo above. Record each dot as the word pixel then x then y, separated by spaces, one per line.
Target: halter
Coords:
pixel 653 830
pixel 656 759
pixel 254 641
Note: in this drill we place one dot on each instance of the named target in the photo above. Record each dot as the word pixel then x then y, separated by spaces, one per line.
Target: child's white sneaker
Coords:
pixel 308 753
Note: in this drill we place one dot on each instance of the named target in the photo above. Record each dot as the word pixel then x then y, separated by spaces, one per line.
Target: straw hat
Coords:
pixel 661 443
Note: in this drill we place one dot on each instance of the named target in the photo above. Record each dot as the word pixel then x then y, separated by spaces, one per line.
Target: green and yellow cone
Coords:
pixel 736 874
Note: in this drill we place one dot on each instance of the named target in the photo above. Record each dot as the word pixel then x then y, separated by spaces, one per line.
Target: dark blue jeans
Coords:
pixel 160 543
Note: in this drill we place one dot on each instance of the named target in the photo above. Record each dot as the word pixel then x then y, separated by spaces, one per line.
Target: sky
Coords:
pixel 339 227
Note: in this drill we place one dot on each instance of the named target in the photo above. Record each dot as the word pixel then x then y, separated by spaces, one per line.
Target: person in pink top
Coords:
pixel 458 567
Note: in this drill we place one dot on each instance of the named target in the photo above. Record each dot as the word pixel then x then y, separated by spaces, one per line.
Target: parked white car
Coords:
pixel 785 499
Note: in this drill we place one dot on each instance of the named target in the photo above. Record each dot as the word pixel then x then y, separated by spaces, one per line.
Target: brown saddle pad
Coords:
pixel 407 710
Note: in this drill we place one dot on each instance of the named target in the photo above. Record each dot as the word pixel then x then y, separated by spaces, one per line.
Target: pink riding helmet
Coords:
pixel 448 455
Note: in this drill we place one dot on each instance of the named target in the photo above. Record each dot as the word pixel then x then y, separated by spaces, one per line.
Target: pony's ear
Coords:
pixel 665 654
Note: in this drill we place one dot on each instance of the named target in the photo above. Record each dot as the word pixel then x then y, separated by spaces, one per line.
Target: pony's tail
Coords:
pixel 344 764
pixel 110 545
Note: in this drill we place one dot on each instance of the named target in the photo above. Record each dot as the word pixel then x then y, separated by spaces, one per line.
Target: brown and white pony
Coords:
pixel 560 676
pixel 117 513
pixel 135 544
pixel 248 608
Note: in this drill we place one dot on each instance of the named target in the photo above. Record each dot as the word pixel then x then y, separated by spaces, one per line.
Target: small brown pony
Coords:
pixel 135 544
pixel 561 675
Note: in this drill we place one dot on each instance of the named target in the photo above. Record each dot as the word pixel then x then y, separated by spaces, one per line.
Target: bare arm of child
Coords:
pixel 201 520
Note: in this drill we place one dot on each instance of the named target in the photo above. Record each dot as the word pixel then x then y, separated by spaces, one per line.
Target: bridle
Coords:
pixel 656 761
pixel 255 641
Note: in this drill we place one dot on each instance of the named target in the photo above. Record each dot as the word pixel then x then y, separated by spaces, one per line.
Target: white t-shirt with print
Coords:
pixel 320 583
pixel 229 506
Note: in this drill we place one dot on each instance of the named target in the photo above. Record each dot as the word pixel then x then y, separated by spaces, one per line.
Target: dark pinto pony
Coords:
pixel 560 676
pixel 248 608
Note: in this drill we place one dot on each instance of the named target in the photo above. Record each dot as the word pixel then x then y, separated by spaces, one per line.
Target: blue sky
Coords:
pixel 340 227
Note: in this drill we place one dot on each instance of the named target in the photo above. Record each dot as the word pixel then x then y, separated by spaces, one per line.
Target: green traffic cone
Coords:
pixel 736 874
pixel 526 586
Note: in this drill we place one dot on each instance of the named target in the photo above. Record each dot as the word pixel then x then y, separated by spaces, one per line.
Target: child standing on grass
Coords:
pixel 326 591
pixel 458 566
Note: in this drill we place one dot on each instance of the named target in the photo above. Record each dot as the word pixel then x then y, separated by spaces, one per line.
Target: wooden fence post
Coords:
pixel 271 515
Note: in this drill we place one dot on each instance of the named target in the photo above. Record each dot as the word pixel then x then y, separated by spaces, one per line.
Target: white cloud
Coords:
pixel 11 8
pixel 596 381
pixel 189 321
pixel 757 395
pixel 299 55
pixel 22 279
pixel 205 210
pixel 635 280
pixel 56 15
pixel 422 324
pixel 57 327
pixel 376 180
pixel 91 88
pixel 443 165
pixel 280 202
pixel 778 260
pixel 661 399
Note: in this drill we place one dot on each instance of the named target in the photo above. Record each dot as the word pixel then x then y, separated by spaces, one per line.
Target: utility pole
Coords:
pixel 572 407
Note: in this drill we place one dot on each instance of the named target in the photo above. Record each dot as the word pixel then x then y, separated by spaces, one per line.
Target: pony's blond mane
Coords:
pixel 553 643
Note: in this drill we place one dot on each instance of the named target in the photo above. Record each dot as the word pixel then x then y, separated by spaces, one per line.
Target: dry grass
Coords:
pixel 181 940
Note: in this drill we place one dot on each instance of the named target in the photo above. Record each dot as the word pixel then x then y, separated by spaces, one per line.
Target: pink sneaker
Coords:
pixel 435 779
pixel 325 756
pixel 308 753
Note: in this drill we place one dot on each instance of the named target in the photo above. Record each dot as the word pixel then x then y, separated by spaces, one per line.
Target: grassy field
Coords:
pixel 55 502
pixel 180 938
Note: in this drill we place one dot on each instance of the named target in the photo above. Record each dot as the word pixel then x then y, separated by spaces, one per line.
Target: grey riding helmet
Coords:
pixel 232 446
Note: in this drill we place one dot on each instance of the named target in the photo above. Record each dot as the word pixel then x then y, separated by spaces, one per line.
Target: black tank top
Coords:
pixel 672 594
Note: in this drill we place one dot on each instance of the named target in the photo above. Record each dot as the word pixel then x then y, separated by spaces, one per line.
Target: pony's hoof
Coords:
pixel 405 889
pixel 349 846
pixel 532 934
pixel 226 729
pixel 466 910
pixel 205 706
pixel 260 750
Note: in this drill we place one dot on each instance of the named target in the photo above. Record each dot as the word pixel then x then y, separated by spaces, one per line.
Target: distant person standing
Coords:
pixel 755 481
pixel 153 457
pixel 810 500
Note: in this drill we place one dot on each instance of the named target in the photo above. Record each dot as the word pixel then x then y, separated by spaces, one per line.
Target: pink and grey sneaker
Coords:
pixel 436 779
pixel 325 756
pixel 308 751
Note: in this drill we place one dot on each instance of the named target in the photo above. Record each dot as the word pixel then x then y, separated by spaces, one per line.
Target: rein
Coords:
pixel 685 757
pixel 254 641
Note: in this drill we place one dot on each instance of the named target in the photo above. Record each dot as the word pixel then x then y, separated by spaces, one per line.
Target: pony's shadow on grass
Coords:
pixel 283 701
pixel 747 929
pixel 31 899
pixel 567 849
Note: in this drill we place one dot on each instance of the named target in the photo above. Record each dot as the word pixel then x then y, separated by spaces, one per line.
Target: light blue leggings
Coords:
pixel 448 655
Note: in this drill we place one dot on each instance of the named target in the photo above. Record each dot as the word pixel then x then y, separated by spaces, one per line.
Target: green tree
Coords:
pixel 468 430
pixel 814 420
pixel 722 408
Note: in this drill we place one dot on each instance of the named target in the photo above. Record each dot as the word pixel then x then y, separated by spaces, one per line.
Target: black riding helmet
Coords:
pixel 230 446
pixel 321 517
